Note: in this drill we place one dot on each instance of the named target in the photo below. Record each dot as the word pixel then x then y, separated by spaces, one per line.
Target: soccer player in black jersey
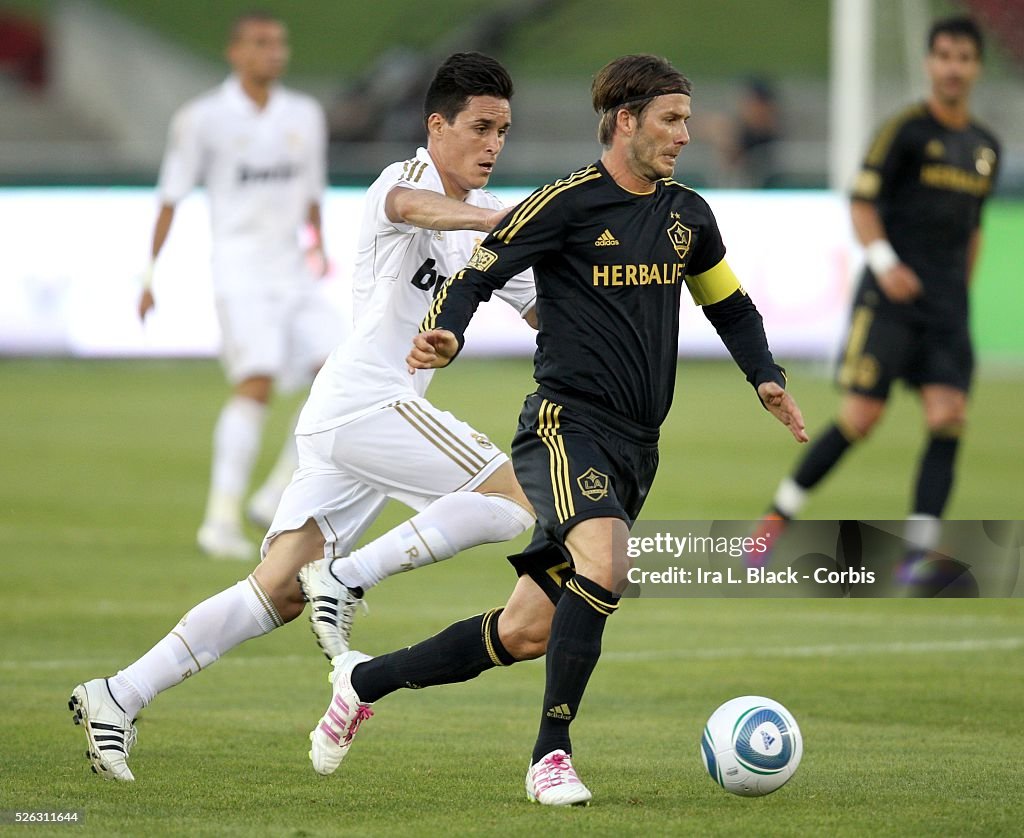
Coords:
pixel 916 208
pixel 612 246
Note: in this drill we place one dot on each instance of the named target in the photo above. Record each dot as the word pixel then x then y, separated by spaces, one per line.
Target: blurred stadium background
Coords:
pixel 903 704
pixel 87 88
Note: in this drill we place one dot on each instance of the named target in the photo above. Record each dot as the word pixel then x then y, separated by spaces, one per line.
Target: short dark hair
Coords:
pixel 957 27
pixel 461 76
pixel 631 82
pixel 250 16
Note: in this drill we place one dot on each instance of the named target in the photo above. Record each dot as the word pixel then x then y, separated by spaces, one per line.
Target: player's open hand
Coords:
pixel 900 284
pixel 432 350
pixel 784 408
pixel 147 302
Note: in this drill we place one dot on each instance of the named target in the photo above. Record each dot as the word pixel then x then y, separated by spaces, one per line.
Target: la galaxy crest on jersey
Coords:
pixel 680 235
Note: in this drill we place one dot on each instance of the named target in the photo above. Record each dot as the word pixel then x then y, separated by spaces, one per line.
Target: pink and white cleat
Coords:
pixel 553 782
pixel 333 734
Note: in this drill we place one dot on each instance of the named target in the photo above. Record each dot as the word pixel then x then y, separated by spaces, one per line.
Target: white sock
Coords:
pixel 212 628
pixel 236 443
pixel 921 532
pixel 451 523
pixel 280 475
pixel 790 498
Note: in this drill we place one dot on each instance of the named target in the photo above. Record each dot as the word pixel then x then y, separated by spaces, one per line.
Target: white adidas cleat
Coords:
pixel 110 732
pixel 223 541
pixel 332 607
pixel 553 782
pixel 333 734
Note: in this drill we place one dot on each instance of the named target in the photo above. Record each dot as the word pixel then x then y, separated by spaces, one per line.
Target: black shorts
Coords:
pixel 881 348
pixel 546 563
pixel 575 463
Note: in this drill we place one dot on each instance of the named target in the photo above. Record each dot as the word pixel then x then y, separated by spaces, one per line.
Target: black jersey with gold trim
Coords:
pixel 610 266
pixel 929 183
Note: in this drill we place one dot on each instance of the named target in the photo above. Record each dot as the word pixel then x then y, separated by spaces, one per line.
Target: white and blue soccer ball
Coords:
pixel 751 746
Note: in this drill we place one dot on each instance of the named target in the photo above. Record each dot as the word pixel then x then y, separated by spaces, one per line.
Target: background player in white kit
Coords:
pixel 260 151
pixel 366 432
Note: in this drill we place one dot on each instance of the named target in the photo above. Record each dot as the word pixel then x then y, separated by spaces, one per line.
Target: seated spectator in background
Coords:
pixel 747 143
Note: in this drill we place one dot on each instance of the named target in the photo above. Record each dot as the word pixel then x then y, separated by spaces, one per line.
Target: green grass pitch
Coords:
pixel 910 710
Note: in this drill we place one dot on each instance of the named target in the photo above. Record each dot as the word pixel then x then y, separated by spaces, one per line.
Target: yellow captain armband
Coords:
pixel 713 286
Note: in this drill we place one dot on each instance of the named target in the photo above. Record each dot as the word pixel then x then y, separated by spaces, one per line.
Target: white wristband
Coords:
pixel 146 277
pixel 881 258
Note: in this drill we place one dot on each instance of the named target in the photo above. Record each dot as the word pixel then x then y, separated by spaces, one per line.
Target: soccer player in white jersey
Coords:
pixel 260 151
pixel 366 432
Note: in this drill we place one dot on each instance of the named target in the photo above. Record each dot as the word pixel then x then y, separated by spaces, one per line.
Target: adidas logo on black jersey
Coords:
pixel 606 239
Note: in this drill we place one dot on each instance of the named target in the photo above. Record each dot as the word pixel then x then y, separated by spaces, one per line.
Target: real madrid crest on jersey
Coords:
pixel 680 236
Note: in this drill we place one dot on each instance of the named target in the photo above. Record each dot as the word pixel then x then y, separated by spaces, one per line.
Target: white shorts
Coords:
pixel 286 333
pixel 408 450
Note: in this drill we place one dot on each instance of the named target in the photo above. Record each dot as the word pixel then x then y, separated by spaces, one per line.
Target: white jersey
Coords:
pixel 262 169
pixel 398 268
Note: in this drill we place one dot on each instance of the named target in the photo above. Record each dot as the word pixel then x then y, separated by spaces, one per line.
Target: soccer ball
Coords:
pixel 751 746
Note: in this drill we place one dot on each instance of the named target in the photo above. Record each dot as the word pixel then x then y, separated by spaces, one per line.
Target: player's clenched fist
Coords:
pixel 431 350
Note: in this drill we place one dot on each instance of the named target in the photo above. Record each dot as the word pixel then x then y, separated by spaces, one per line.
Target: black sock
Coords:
pixel 458 653
pixel 573 650
pixel 824 454
pixel 935 476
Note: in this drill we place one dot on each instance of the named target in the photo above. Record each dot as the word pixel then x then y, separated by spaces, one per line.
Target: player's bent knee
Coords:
pixel 502 482
pixel 857 426
pixel 259 388
pixel 858 416
pixel 279 579
pixel 506 517
pixel 947 427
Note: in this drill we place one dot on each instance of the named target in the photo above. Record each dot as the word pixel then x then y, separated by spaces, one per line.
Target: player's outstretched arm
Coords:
pixel 432 349
pixel 433 211
pixel 784 408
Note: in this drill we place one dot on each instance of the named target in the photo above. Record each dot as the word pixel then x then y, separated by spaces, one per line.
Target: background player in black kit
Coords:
pixel 611 247
pixel 916 208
